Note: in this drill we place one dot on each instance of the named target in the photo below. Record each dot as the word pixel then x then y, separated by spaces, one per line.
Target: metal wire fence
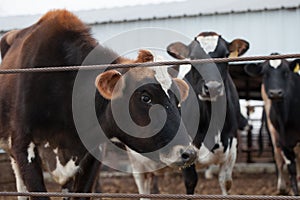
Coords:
pixel 152 196
pixel 147 64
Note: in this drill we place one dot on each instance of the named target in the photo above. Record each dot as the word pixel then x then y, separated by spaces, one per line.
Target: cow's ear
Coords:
pixel 183 88
pixel 178 50
pixel 7 40
pixel 144 56
pixel 295 66
pixel 106 83
pixel 238 47
pixel 253 69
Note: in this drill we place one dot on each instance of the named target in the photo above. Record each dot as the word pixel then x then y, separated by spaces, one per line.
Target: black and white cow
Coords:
pixel 36 109
pixel 279 90
pixel 211 89
pixel 216 84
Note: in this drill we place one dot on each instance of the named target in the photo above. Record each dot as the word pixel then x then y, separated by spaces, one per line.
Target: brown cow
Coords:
pixel 37 126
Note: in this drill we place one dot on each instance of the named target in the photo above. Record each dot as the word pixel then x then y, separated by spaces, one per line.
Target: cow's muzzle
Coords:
pixel 211 90
pixel 276 94
pixel 180 156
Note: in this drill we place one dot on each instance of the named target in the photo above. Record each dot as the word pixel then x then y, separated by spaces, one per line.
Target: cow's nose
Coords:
pixel 188 155
pixel 212 88
pixel 276 94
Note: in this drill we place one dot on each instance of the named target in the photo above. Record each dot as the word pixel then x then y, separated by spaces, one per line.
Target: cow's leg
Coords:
pixel 290 157
pixel 86 177
pixel 19 181
pixel 226 168
pixel 190 178
pixel 293 174
pixel 154 186
pixel 281 183
pixel 28 167
pixel 208 174
pixel 67 187
pixel 143 182
pixel 297 153
pixel 279 161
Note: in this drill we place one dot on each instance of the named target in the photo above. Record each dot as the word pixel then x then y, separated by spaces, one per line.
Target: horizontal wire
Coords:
pixel 153 196
pixel 147 64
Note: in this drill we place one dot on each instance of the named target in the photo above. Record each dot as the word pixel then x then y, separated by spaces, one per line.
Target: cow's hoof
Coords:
pixel 282 192
pixel 228 185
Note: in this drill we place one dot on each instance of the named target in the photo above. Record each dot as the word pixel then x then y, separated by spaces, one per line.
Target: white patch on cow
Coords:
pixel 286 160
pixel 30 152
pixel 206 157
pixel 140 163
pixel 114 139
pixel 207 98
pixel 226 167
pixel 275 63
pixel 61 174
pixel 208 43
pixel 47 145
pixel 183 70
pixel 55 150
pixel 19 181
pixel 9 142
pixel 163 77
pixel 218 138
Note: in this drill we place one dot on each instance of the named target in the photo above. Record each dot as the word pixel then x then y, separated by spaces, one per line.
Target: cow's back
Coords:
pixel 42 101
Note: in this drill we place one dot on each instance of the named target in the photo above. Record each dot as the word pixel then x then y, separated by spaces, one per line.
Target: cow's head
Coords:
pixel 209 45
pixel 146 101
pixel 276 76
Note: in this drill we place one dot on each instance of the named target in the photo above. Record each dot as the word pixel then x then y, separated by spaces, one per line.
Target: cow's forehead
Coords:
pixel 275 63
pixel 159 74
pixel 209 43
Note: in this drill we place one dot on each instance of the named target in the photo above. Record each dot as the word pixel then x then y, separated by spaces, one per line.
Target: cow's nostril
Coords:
pixel 188 156
pixel 185 156
pixel 206 90
pixel 276 93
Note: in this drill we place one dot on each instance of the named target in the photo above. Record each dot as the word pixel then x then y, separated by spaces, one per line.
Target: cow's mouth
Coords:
pixel 180 157
pixel 210 97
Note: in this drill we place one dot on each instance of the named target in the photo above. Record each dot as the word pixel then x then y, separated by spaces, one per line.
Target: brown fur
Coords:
pixel 63 19
pixel 144 56
pixel 238 47
pixel 106 82
pixel 183 88
pixel 205 34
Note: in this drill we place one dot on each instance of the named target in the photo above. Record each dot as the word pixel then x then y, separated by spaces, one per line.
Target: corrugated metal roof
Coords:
pixel 164 10
pixel 186 8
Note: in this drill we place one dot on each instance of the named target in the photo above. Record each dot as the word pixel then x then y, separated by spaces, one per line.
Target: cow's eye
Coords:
pixel 146 98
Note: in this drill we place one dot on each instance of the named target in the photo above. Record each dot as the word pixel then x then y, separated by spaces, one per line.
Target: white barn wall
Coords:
pixel 267 31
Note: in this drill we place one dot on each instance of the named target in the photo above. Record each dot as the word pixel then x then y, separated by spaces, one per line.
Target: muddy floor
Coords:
pixel 250 184
pixel 171 183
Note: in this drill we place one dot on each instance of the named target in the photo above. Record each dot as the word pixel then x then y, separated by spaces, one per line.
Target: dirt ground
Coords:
pixel 172 183
pixel 250 184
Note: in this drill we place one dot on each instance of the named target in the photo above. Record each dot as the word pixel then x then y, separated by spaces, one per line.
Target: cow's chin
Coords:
pixel 204 97
pixel 175 159
pixel 276 99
